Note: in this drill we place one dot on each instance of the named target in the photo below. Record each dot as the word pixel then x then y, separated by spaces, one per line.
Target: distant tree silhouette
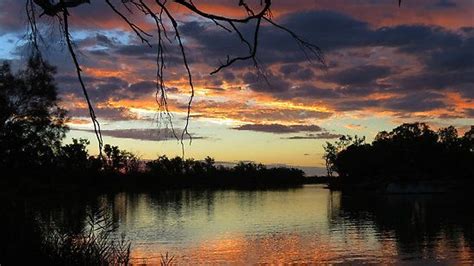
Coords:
pixel 176 172
pixel 32 124
pixel 117 160
pixel 409 152
pixel 74 160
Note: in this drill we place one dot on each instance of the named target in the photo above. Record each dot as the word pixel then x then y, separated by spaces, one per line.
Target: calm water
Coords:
pixel 310 224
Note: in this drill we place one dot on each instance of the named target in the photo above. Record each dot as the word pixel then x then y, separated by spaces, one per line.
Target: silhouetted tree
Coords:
pixel 117 160
pixel 330 155
pixel 32 124
pixel 75 155
pixel 410 152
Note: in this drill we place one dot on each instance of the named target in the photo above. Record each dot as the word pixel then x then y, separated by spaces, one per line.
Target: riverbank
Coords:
pixel 432 186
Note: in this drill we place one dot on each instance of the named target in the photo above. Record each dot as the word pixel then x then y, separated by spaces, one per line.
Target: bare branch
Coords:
pixel 253 51
pixel 186 65
pixel 315 50
pixel 138 31
pixel 203 14
pixel 79 76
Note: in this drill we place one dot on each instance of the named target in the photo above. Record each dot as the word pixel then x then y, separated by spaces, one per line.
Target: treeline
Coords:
pixel 410 152
pixel 118 169
pixel 32 127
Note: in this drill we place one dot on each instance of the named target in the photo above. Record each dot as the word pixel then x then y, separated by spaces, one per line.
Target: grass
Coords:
pixel 94 245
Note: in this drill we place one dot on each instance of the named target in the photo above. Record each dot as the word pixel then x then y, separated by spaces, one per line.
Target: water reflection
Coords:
pixel 309 224
pixel 425 227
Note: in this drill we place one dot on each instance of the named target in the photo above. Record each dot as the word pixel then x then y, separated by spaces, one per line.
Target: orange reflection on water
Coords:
pixel 272 249
pixel 303 226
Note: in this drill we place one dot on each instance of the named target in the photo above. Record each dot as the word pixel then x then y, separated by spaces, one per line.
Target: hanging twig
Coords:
pixel 95 122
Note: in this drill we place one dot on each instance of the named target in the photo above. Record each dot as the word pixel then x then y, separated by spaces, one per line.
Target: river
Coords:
pixel 303 225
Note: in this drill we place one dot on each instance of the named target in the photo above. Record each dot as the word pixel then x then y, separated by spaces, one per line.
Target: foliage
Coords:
pixel 409 152
pixel 122 161
pixel 32 124
pixel 75 156
pixel 331 150
pixel 94 245
pixel 191 173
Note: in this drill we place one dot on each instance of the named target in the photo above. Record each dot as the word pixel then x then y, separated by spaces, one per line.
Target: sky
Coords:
pixel 385 65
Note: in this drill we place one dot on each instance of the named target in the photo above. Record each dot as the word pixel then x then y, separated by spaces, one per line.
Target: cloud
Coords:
pixel 107 113
pixel 355 126
pixel 416 102
pixel 256 113
pixel 310 91
pixel 469 112
pixel 278 128
pixel 358 75
pixel 369 69
pixel 145 134
pixel 323 135
pixel 296 72
pixel 445 4
pixel 142 87
pixel 266 83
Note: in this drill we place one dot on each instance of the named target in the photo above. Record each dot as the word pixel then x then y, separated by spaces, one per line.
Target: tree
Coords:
pixel 75 156
pixel 118 160
pixel 209 164
pixel 32 124
pixel 449 137
pixel 330 155
pixel 410 152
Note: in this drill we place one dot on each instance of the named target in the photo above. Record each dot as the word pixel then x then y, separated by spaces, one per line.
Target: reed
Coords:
pixel 94 245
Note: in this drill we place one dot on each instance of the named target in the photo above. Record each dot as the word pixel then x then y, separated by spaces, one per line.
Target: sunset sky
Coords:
pixel 385 65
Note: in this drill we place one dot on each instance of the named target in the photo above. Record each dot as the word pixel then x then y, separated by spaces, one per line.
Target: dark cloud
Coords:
pixel 10 23
pixel 142 87
pixel 144 52
pixel 99 89
pixel 447 58
pixel 107 113
pixel 266 83
pixel 358 76
pixel 416 102
pixel 296 72
pixel 106 88
pixel 445 4
pixel 445 55
pixel 135 50
pixel 416 39
pixel 310 91
pixel 228 76
pixel 104 40
pixel 278 128
pixel 329 30
pixel 357 104
pixel 437 80
pixel 100 52
pixel 146 134
pixel 469 112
